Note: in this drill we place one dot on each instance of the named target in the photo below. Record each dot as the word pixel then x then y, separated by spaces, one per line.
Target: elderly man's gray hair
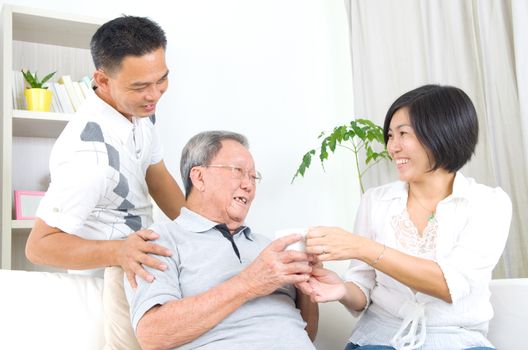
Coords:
pixel 201 149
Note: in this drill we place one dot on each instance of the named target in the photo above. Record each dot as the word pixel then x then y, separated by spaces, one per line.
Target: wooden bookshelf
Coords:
pixel 43 41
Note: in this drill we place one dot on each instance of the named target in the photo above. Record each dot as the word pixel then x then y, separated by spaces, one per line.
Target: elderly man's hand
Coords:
pixel 134 252
pixel 275 267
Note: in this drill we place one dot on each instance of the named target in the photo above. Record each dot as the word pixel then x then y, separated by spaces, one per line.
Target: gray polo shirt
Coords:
pixel 203 258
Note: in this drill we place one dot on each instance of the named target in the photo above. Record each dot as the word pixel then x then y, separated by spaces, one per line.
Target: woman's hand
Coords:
pixel 305 287
pixel 324 285
pixel 333 243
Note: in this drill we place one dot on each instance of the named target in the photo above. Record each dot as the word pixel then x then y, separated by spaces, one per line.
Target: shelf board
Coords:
pixel 39 124
pixel 22 226
pixel 53 28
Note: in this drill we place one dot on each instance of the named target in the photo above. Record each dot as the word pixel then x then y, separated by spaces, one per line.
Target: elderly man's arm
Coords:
pixel 180 321
pixel 309 312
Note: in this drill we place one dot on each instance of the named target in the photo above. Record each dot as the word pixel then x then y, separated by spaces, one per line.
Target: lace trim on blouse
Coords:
pixel 412 242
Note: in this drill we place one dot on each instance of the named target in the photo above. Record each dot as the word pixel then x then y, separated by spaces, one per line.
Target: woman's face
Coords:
pixel 411 157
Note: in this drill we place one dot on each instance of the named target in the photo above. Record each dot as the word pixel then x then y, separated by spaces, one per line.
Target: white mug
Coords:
pixel 300 245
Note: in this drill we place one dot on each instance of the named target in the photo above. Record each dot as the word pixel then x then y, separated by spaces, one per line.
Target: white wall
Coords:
pixel 277 71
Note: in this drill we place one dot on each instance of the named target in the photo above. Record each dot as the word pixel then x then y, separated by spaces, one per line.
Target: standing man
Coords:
pixel 108 160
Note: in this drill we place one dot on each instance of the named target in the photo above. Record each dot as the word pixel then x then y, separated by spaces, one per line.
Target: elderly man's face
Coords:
pixel 228 194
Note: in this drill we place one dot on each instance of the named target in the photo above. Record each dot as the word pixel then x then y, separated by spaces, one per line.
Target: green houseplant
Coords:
pixel 38 97
pixel 359 136
pixel 33 80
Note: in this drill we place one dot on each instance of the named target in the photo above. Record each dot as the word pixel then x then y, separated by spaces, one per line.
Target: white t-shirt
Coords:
pixel 471 229
pixel 98 166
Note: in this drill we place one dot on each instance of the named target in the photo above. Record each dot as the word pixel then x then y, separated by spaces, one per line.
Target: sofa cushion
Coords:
pixel 507 328
pixel 117 325
pixel 44 310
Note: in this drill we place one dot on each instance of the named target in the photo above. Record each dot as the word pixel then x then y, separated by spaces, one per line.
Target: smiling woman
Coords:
pixel 458 35
pixel 428 242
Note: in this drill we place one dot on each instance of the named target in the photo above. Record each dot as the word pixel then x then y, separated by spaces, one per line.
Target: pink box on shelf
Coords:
pixel 26 204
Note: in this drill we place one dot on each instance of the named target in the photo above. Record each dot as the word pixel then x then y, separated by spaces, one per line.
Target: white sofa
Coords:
pixel 43 310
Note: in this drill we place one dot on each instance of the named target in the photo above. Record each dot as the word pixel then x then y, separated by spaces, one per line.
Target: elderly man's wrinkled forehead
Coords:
pixel 234 153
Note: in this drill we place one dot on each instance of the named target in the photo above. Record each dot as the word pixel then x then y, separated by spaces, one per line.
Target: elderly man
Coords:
pixel 225 287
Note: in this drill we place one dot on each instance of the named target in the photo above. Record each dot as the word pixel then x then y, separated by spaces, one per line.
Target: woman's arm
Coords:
pixel 331 243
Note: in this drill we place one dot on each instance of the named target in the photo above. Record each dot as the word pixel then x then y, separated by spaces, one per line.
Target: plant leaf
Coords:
pixel 305 164
pixel 363 135
pixel 47 77
pixel 33 80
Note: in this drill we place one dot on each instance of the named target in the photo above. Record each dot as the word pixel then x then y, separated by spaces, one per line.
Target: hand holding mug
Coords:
pixel 333 243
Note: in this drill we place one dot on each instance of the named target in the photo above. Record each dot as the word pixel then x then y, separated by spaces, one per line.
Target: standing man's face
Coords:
pixel 135 89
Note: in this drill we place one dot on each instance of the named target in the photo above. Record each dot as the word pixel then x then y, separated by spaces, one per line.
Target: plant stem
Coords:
pixel 340 145
pixel 355 150
pixel 360 146
pixel 371 165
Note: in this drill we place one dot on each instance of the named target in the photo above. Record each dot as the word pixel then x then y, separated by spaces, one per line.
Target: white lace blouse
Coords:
pixel 466 238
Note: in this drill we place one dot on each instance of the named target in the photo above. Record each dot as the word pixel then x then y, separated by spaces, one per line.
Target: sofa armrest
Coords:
pixel 45 310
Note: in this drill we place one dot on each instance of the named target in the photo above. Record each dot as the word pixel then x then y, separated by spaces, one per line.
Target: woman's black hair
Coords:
pixel 445 122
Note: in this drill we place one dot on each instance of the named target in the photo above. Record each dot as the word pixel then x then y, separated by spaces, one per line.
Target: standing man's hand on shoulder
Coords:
pixel 134 251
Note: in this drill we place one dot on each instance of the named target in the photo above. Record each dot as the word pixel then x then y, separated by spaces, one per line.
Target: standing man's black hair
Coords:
pixel 125 36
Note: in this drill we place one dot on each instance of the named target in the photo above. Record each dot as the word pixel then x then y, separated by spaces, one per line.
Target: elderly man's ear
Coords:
pixel 196 176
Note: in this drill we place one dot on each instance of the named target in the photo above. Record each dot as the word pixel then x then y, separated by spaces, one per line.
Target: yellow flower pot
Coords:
pixel 38 99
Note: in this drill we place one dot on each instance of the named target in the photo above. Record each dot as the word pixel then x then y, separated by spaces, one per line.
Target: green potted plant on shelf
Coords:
pixel 359 136
pixel 38 97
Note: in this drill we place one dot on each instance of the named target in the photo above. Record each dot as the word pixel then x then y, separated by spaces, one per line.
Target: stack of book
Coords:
pixel 68 95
